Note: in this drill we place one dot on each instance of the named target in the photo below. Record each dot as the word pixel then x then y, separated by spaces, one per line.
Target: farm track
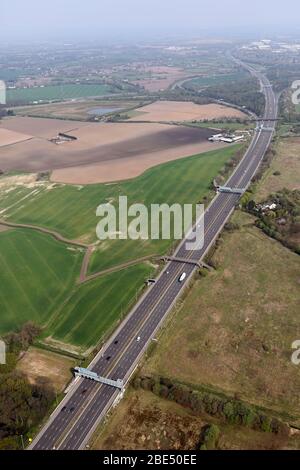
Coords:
pixel 83 277
pixel 53 233
pixel 118 267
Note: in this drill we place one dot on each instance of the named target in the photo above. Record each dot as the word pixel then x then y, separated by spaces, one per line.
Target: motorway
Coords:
pixel 85 405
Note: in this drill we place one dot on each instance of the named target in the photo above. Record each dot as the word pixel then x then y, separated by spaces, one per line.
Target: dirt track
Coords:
pixel 53 233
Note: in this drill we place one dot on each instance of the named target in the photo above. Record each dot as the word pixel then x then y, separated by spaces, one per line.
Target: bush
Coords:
pixel 234 411
pixel 228 411
pixel 203 272
pixel 137 383
pixel 210 437
pixel 21 340
pixel 203 447
pixel 265 423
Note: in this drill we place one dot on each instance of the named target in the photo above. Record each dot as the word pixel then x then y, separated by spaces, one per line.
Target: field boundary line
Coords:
pixel 53 233
pixel 116 268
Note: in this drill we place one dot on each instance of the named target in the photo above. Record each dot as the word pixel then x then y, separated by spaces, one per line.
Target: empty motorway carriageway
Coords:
pixel 75 419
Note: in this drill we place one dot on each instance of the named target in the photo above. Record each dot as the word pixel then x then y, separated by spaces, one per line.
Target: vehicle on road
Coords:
pixel 182 277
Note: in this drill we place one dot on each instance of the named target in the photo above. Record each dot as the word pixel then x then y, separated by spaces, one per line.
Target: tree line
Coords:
pixel 22 404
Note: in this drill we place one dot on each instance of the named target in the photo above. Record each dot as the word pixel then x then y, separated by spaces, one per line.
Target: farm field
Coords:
pixel 38 279
pixel 75 110
pixel 71 210
pixel 8 137
pixel 36 274
pixel 103 152
pixel 42 128
pixel 284 171
pixel 94 309
pixel 217 79
pixel 75 317
pixel 184 111
pixel 239 339
pixel 160 77
pixel 55 92
pixel 230 126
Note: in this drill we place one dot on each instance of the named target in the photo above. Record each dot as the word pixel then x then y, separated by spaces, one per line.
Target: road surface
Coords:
pixel 73 422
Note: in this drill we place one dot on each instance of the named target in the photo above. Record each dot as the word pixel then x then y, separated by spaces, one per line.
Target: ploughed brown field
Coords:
pixel 102 152
pixel 185 111
pixel 162 77
pixel 8 137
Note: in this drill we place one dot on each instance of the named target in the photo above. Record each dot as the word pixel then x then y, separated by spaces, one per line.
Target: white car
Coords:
pixel 138 339
pixel 182 277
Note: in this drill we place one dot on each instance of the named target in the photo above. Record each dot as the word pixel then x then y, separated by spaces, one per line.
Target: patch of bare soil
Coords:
pixel 3 228
pixel 126 168
pixel 40 127
pixel 152 426
pixel 8 137
pixel 37 363
pixel 161 77
pixel 143 421
pixel 185 111
pixel 105 152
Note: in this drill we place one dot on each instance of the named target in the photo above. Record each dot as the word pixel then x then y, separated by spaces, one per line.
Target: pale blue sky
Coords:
pixel 54 19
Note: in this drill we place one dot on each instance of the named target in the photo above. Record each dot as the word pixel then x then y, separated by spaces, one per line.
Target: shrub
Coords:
pixel 210 437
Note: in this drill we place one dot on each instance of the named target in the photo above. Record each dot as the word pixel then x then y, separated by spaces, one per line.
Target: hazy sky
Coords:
pixel 68 19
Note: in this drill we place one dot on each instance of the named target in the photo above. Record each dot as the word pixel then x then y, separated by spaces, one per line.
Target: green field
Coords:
pixel 95 307
pixel 215 79
pixel 71 210
pixel 37 280
pixel 236 326
pixel 231 126
pixel 55 92
pixel 36 273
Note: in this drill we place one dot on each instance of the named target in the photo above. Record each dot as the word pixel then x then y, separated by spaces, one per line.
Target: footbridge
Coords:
pixel 88 374
pixel 199 264
pixel 227 189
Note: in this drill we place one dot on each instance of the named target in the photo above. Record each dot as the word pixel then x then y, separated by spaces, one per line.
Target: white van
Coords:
pixel 182 277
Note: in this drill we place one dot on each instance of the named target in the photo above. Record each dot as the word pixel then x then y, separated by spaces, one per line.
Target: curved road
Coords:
pixel 73 422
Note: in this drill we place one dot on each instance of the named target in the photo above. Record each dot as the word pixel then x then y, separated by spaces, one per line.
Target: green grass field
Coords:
pixel 221 125
pixel 236 326
pixel 71 210
pixel 55 92
pixel 37 280
pixel 215 79
pixel 95 307
pixel 36 274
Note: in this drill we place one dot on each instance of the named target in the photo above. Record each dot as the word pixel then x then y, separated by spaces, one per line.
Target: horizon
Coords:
pixel 137 20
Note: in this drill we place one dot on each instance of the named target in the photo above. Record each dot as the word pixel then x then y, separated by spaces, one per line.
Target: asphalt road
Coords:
pixel 75 419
